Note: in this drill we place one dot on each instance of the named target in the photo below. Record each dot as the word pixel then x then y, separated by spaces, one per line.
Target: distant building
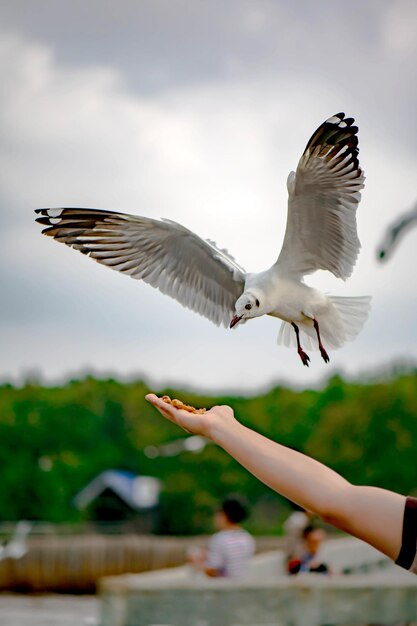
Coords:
pixel 116 496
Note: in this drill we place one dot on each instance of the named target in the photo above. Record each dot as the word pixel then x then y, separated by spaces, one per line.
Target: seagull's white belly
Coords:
pixel 290 312
pixel 296 302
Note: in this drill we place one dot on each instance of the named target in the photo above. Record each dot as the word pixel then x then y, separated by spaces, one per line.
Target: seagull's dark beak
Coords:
pixel 235 320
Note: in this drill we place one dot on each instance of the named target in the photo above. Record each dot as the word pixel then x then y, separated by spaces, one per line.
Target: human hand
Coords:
pixel 203 424
pixel 196 556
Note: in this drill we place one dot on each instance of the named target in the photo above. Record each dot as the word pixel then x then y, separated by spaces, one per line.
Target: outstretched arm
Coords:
pixel 369 513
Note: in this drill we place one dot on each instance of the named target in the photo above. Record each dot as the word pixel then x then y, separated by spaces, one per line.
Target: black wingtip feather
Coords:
pixel 334 133
pixel 337 134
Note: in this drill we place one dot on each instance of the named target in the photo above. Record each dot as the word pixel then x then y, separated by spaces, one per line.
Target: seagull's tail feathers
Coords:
pixel 341 321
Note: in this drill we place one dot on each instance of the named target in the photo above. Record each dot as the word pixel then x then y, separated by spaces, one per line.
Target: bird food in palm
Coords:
pixel 177 404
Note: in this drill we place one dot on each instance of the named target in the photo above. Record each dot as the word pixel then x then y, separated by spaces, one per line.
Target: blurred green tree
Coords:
pixel 53 440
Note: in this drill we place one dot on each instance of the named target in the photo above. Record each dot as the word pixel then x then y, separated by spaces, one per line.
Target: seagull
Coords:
pixel 321 234
pixel 194 444
pixel 395 233
pixel 17 547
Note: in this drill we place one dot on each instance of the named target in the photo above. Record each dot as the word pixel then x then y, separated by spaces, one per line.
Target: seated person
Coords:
pixel 231 548
pixel 308 560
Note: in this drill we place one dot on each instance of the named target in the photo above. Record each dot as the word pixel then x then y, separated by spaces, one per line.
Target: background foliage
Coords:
pixel 53 440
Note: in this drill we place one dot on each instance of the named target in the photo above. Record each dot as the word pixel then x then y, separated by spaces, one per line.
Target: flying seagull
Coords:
pixel 321 233
pixel 395 232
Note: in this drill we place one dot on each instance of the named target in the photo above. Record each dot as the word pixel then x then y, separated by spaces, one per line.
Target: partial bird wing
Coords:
pixel 164 254
pixel 395 232
pixel 323 197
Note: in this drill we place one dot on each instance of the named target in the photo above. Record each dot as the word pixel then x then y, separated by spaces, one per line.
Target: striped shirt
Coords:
pixel 229 552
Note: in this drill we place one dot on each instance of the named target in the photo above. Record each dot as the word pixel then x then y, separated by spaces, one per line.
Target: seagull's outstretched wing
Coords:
pixel 164 254
pixel 323 197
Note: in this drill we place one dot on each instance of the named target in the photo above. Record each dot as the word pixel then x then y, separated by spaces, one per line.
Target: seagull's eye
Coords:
pixel 257 302
pixel 248 307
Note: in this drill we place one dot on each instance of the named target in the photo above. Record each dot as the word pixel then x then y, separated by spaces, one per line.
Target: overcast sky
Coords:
pixel 195 111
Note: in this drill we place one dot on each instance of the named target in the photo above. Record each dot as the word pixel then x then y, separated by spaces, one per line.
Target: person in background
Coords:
pixel 309 559
pixel 231 548
pixel 384 519
pixel 294 527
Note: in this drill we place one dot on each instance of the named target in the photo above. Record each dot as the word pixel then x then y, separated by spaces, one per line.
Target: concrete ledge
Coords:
pixel 266 597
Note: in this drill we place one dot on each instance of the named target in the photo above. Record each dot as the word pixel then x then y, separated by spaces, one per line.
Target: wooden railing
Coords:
pixel 75 563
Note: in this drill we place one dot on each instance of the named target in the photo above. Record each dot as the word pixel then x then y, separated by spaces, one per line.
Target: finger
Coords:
pixel 167 410
pixel 158 402
pixel 161 404
pixel 152 398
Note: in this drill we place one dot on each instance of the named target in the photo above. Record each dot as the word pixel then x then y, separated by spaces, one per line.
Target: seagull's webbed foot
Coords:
pixel 323 352
pixel 303 355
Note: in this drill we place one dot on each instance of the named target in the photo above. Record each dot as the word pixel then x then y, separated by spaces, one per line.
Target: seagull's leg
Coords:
pixel 323 352
pixel 303 356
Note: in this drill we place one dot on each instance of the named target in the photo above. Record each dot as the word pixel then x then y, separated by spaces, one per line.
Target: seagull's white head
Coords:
pixel 246 307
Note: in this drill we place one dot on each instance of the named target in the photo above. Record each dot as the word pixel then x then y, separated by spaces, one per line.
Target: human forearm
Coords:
pixel 369 513
pixel 317 488
pixel 292 474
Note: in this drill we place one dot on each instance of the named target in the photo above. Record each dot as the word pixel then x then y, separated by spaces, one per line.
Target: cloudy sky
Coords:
pixel 195 111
